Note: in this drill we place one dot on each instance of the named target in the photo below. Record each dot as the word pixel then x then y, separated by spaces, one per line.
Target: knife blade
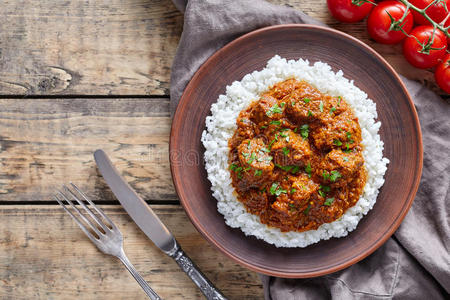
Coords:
pixel 151 225
pixel 138 210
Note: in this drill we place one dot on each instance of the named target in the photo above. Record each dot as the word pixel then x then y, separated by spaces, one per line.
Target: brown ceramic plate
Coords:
pixel 400 132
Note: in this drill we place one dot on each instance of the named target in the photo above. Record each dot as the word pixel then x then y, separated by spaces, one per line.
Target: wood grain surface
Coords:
pixel 46 142
pixel 44 255
pixel 117 47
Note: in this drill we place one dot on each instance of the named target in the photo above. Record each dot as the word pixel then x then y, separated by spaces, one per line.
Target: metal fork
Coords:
pixel 106 237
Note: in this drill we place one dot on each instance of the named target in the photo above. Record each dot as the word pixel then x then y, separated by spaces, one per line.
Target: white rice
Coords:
pixel 222 124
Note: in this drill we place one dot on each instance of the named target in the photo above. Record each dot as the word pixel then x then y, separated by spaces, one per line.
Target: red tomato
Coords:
pixel 412 49
pixel 442 74
pixel 379 22
pixel 349 11
pixel 437 12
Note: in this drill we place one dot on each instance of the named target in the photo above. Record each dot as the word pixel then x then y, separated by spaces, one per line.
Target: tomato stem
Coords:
pixel 423 12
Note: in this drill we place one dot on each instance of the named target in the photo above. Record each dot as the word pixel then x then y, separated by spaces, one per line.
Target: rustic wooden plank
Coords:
pixel 47 142
pixel 122 47
pixel 44 255
pixel 87 47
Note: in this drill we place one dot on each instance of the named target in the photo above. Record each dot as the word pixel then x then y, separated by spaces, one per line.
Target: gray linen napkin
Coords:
pixel 415 262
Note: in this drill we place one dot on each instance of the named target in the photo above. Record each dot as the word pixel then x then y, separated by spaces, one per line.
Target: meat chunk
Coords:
pixel 338 167
pixel 295 194
pixel 301 106
pixel 290 149
pixel 284 88
pixel 255 163
pixel 344 132
pixel 267 108
pixel 256 201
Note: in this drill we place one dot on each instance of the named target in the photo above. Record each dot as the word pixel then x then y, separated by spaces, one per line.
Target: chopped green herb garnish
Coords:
pixel 275 190
pixel 339 101
pixel 293 103
pixel 252 158
pixel 274 110
pixel 348 148
pixel 332 110
pixel 345 158
pixel 248 145
pixel 328 201
pixel 263 127
pixel 310 114
pixel 348 134
pixel 325 175
pixel 269 158
pixel 306 100
pixel 243 120
pixel 304 131
pixel 308 169
pixel 293 191
pixel 306 211
pixel 283 104
pixel 295 169
pixel 245 154
pixel 337 142
pixel 292 205
pixel 295 129
pixel 265 150
pixel 276 122
pixel 321 106
pixel 258 172
pixel 285 151
pixel 335 175
pixel 247 169
pixel 233 167
pixel 325 188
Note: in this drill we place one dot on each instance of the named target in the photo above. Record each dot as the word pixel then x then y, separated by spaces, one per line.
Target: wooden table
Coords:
pixel 80 75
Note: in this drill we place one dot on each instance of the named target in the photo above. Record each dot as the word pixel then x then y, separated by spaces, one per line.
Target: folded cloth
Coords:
pixel 415 262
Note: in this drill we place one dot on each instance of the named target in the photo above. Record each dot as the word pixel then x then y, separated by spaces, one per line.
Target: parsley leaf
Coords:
pixel 276 122
pixel 258 172
pixel 308 169
pixel 328 201
pixel 335 175
pixel 332 110
pixel 321 106
pixel 274 110
pixel 293 191
pixel 337 142
pixel 285 151
pixel 310 114
pixel 304 131
pixel 306 100
pixel 306 211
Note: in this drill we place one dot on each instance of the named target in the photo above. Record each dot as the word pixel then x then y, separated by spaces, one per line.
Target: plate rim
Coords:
pixel 177 124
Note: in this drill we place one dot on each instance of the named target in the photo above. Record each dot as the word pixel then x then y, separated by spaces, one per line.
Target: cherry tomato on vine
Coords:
pixel 349 11
pixel 442 74
pixel 437 12
pixel 426 54
pixel 379 22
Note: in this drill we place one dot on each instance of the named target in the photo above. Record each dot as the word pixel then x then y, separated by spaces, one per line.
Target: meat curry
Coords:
pixel 296 157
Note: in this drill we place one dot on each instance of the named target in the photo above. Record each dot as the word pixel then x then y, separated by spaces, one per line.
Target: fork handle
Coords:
pixel 147 289
pixel 187 265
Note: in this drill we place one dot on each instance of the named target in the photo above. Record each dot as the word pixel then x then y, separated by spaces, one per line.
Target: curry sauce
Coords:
pixel 296 157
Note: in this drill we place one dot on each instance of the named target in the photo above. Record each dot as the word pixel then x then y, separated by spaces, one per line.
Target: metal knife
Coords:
pixel 151 225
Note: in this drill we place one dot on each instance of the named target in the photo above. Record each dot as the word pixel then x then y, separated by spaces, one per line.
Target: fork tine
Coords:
pixel 86 220
pixel 87 209
pixel 83 228
pixel 98 210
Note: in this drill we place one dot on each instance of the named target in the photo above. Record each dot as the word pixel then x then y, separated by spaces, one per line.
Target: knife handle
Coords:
pixel 188 266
